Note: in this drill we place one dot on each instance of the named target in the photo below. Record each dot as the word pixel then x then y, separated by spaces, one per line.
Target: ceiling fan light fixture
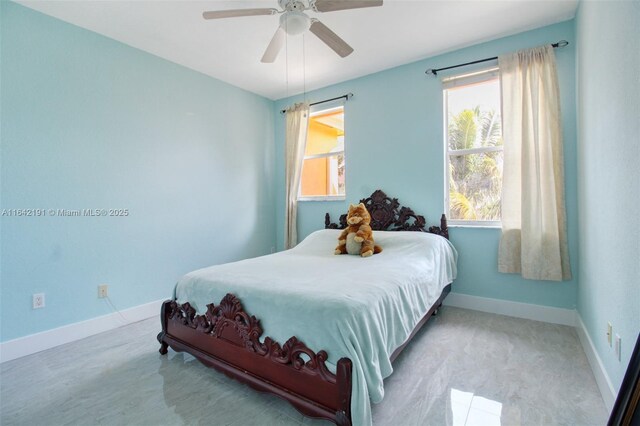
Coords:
pixel 294 22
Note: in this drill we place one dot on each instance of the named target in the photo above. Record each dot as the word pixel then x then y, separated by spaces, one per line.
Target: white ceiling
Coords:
pixel 399 32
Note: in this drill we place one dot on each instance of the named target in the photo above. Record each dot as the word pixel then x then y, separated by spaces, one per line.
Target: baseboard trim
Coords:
pixel 513 309
pixel 602 378
pixel 37 342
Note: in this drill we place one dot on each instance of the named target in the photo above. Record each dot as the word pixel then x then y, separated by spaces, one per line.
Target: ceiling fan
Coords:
pixel 294 21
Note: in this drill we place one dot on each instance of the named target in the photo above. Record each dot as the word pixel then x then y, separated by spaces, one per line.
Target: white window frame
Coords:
pixel 318 110
pixel 448 83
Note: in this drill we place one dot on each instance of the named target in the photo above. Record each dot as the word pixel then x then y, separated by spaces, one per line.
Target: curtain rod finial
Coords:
pixel 431 71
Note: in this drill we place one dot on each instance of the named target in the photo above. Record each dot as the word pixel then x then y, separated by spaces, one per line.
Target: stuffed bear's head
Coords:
pixel 358 215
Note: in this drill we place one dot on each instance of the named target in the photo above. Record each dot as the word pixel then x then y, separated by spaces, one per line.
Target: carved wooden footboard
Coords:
pixel 228 338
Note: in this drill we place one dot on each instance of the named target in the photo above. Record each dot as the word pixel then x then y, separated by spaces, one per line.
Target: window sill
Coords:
pixel 488 225
pixel 323 198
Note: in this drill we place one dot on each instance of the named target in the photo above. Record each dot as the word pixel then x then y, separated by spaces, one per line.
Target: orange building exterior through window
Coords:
pixel 323 167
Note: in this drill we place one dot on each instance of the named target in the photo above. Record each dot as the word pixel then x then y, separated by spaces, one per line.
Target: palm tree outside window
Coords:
pixel 473 143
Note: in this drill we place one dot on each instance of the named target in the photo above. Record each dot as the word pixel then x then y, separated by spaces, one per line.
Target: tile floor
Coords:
pixel 463 368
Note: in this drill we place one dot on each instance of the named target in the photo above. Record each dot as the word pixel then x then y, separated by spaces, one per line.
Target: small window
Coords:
pixel 324 161
pixel 473 144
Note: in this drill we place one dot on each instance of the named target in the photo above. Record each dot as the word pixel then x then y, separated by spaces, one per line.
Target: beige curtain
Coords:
pixel 297 122
pixel 534 236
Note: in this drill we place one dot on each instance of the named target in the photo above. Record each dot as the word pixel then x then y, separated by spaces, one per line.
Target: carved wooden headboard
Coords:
pixel 387 215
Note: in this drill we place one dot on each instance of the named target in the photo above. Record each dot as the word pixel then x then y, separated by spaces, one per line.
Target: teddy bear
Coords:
pixel 357 237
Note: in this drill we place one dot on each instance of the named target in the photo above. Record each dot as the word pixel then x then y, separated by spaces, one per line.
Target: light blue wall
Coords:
pixel 394 141
pixel 88 122
pixel 608 68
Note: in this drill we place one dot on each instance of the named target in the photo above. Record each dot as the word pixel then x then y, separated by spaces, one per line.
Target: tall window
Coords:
pixel 473 139
pixel 324 162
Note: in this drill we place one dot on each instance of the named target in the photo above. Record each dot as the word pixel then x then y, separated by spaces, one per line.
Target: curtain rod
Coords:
pixel 561 43
pixel 346 97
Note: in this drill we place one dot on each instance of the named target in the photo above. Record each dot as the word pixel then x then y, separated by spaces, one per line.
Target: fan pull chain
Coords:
pixel 304 70
pixel 286 55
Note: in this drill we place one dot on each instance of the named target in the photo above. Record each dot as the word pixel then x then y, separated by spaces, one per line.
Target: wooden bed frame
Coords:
pixel 228 339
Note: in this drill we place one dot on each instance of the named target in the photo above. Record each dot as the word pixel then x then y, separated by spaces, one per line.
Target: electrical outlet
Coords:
pixel 609 333
pixel 618 347
pixel 38 301
pixel 103 291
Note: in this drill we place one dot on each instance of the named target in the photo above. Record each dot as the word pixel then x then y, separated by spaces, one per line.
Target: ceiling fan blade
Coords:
pixel 330 38
pixel 334 5
pixel 219 14
pixel 274 46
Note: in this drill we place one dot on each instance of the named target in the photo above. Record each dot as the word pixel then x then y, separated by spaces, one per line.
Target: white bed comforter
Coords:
pixel 360 308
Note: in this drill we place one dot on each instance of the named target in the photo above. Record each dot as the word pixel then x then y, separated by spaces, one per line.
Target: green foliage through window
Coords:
pixel 474 142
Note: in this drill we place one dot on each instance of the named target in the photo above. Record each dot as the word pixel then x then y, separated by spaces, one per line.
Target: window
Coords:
pixel 473 138
pixel 323 167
